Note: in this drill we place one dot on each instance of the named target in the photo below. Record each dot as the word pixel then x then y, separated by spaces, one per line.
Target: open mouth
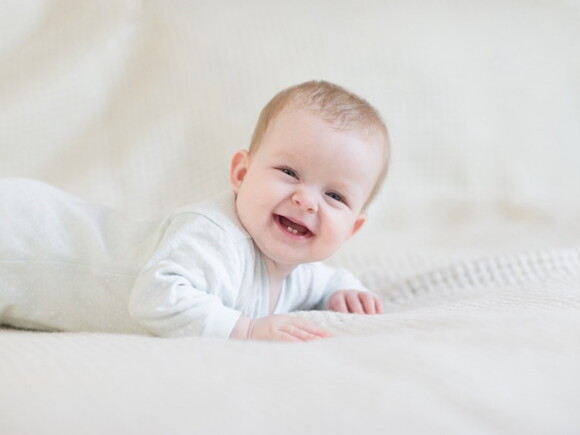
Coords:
pixel 293 227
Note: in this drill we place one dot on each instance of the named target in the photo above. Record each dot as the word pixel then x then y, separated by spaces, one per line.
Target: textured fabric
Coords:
pixel 69 265
pixel 482 356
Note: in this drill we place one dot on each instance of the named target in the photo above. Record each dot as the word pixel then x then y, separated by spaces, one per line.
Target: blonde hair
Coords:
pixel 335 105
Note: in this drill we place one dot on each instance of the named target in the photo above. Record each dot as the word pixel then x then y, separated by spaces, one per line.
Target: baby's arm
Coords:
pixel 277 327
pixel 181 290
pixel 182 287
pixel 354 301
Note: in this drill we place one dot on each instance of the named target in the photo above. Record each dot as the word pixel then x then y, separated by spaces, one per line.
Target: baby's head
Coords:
pixel 337 106
pixel 317 158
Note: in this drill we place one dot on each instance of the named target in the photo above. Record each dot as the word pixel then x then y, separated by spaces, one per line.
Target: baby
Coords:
pixel 230 267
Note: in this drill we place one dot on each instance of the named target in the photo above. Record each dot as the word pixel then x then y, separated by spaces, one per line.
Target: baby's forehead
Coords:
pixel 361 138
pixel 364 132
pixel 367 130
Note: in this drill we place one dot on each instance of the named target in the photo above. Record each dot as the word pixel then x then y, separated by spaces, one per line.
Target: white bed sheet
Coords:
pixel 490 346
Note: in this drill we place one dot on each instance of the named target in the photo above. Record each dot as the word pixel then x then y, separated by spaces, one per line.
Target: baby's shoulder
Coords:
pixel 216 216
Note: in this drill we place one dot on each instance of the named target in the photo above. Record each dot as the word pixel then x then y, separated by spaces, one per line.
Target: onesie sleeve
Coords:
pixel 188 284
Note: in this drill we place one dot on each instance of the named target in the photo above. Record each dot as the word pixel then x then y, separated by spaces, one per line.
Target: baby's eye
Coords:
pixel 290 172
pixel 336 196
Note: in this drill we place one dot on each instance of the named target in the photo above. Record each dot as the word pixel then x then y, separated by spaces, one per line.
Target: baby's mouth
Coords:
pixel 293 227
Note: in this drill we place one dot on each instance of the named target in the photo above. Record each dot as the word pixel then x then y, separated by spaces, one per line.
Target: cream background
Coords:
pixel 139 105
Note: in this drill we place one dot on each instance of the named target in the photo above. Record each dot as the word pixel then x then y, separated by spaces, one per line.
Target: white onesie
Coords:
pixel 69 265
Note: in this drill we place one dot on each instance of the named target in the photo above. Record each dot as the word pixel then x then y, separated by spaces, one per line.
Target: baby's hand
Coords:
pixel 354 301
pixel 284 328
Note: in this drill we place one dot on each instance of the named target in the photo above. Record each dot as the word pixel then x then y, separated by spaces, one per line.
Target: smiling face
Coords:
pixel 301 195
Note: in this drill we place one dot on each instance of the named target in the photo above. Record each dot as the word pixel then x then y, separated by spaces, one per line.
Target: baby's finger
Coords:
pixel 339 305
pixel 354 304
pixel 378 306
pixel 310 328
pixel 286 336
pixel 301 334
pixel 368 303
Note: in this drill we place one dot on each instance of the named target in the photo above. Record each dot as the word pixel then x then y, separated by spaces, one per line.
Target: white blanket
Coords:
pixel 484 347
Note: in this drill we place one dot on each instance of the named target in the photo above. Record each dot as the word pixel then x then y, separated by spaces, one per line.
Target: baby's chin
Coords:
pixel 291 259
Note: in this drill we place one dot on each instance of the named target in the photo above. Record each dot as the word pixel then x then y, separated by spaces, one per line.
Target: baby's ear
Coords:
pixel 358 223
pixel 238 169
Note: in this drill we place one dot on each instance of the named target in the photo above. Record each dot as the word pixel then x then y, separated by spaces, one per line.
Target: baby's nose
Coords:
pixel 305 201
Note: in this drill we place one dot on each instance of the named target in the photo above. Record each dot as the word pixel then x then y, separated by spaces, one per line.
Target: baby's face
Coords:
pixel 300 196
